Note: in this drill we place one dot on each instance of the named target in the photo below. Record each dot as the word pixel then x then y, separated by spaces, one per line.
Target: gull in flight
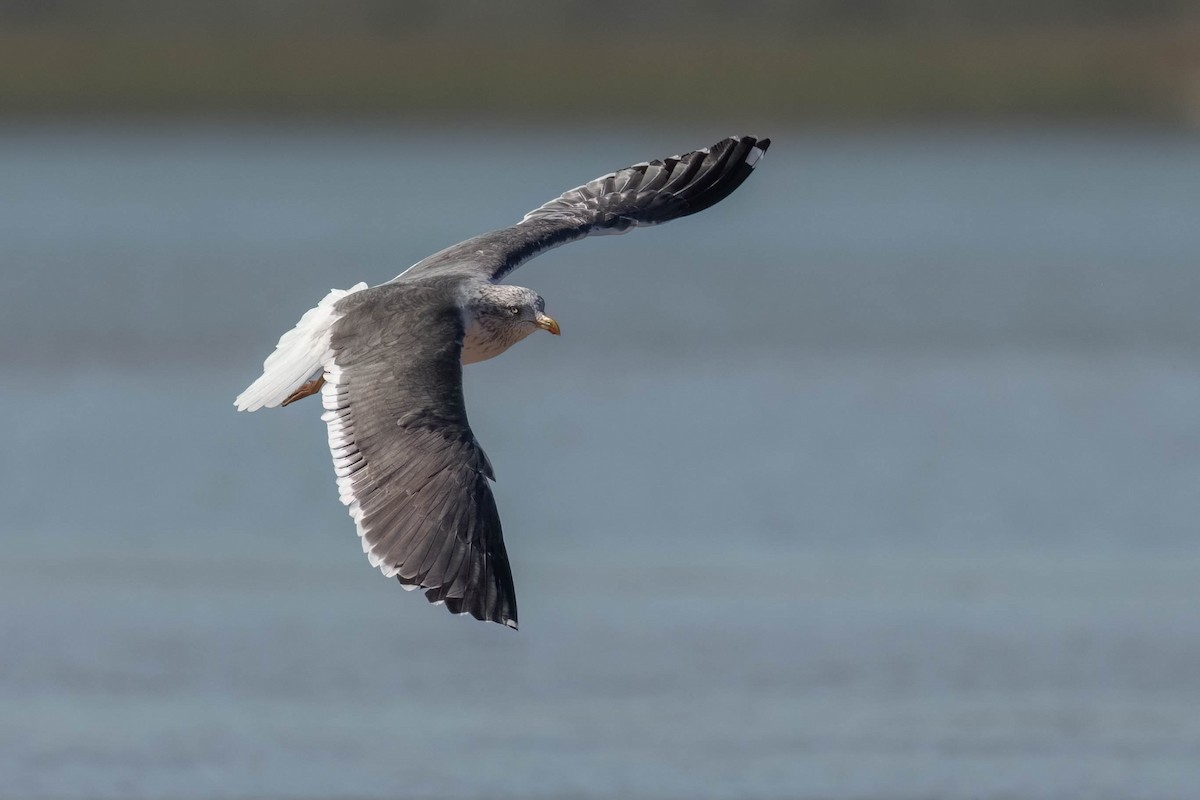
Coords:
pixel 387 361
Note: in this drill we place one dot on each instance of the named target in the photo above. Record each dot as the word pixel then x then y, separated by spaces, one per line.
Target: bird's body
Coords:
pixel 388 359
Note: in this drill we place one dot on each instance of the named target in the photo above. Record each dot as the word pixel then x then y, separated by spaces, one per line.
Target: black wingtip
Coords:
pixel 755 144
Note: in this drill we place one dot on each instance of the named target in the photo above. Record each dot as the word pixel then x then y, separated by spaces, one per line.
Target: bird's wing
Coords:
pixel 407 463
pixel 644 194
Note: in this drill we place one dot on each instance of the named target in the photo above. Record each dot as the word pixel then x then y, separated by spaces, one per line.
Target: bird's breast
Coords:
pixel 481 343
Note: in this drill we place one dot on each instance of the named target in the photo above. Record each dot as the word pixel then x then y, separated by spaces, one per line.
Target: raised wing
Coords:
pixel 407 463
pixel 649 193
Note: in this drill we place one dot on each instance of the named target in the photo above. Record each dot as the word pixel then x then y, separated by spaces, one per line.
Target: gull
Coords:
pixel 387 361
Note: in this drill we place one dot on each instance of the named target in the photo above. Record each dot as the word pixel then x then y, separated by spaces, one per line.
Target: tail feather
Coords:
pixel 299 356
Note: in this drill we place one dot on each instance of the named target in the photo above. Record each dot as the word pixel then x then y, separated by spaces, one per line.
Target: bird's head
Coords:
pixel 514 308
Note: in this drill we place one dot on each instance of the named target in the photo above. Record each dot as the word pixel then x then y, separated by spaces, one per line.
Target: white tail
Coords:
pixel 300 355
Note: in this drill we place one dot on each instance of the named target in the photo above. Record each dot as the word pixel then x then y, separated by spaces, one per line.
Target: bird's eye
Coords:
pixel 514 310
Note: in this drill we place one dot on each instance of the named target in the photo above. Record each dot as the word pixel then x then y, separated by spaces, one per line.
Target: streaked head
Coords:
pixel 514 308
pixel 497 316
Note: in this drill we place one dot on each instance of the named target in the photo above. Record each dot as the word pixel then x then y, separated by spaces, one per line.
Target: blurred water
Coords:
pixel 878 480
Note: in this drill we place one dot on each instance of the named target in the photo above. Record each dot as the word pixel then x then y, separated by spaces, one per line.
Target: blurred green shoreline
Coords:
pixel 1147 72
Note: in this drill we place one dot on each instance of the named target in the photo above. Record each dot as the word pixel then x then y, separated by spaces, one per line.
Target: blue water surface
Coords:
pixel 879 480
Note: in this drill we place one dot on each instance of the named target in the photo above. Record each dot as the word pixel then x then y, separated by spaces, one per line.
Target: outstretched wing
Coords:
pixel 649 193
pixel 407 463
